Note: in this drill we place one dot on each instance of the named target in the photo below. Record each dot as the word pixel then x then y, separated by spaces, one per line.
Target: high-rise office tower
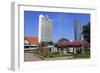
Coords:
pixel 77 30
pixel 45 28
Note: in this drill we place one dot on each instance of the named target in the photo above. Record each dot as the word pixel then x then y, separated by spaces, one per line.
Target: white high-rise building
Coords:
pixel 45 29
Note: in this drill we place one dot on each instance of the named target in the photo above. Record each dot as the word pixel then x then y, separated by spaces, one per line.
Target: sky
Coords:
pixel 62 26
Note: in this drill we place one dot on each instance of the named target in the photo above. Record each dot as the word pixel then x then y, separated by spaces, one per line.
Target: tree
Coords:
pixel 63 39
pixel 50 43
pixel 86 32
pixel 42 44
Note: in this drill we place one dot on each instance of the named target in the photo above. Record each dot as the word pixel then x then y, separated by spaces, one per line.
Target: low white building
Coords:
pixel 30 43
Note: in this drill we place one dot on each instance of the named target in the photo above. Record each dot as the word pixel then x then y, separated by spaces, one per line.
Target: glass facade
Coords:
pixel 78 30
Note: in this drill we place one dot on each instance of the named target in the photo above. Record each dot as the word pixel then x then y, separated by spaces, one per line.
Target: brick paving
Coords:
pixel 31 57
pixel 28 57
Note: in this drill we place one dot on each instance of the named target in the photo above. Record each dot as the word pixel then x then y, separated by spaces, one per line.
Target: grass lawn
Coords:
pixel 81 56
pixel 51 55
pixel 55 55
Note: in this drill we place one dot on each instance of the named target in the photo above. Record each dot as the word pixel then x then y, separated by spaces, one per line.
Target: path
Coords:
pixel 31 57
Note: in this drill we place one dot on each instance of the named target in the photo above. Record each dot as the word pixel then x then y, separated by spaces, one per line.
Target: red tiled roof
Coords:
pixel 32 39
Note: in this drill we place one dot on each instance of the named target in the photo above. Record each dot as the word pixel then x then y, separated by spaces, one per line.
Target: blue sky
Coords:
pixel 62 27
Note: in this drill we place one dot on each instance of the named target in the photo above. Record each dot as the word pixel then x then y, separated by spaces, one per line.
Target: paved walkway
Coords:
pixel 60 58
pixel 31 57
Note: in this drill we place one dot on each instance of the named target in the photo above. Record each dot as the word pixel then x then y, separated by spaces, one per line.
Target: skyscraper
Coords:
pixel 78 30
pixel 45 28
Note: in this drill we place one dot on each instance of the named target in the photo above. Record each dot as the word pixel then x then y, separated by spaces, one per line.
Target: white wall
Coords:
pixel 5 34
